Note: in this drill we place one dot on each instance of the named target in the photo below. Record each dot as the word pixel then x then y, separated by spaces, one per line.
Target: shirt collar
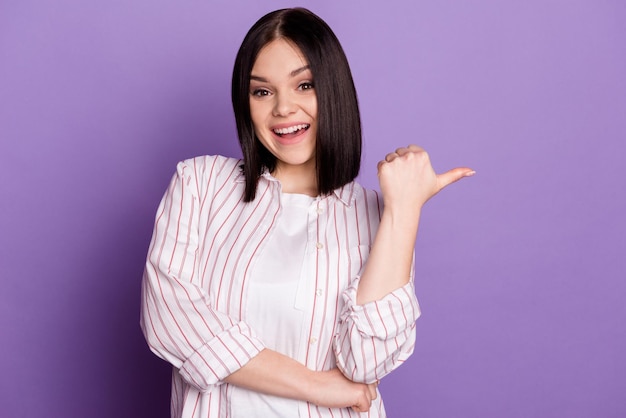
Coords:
pixel 345 194
pixel 241 178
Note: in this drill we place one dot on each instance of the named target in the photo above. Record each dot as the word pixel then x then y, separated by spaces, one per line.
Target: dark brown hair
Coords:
pixel 338 142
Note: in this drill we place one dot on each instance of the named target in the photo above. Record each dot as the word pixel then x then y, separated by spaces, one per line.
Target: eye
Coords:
pixel 306 85
pixel 260 92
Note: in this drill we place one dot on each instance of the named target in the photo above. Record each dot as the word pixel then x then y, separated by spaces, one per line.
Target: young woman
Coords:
pixel 275 285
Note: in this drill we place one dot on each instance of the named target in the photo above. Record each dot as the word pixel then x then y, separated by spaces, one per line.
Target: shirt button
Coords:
pixel 313 340
pixel 318 292
pixel 319 245
pixel 319 210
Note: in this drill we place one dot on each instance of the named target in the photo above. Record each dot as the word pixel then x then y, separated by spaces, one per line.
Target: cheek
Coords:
pixel 256 115
pixel 313 107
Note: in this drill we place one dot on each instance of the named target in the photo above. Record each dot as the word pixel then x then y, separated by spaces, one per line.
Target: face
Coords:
pixel 283 106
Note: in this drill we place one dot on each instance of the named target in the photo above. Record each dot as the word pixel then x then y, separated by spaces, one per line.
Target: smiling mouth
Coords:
pixel 291 131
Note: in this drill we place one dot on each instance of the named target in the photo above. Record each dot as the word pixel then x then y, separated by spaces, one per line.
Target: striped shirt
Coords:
pixel 205 245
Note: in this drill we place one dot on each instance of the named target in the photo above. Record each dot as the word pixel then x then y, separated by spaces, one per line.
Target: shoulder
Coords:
pixel 206 174
pixel 209 164
pixel 355 195
pixel 207 168
pixel 370 195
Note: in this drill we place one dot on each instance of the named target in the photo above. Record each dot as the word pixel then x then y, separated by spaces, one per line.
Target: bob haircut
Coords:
pixel 338 142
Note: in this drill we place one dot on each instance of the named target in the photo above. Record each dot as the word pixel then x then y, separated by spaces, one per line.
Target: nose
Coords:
pixel 284 105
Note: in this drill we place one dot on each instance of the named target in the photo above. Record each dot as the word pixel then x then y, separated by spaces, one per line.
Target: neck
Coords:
pixel 301 179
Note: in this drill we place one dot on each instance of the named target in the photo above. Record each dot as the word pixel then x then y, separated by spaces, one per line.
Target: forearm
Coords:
pixel 275 374
pixel 407 182
pixel 390 261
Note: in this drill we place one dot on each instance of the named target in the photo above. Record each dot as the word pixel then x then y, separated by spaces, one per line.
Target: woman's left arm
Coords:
pixel 379 324
pixel 407 181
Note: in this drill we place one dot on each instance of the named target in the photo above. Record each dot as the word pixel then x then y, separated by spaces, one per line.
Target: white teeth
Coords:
pixel 290 130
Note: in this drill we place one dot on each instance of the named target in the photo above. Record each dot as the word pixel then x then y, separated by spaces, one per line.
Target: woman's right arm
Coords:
pixel 275 374
pixel 177 318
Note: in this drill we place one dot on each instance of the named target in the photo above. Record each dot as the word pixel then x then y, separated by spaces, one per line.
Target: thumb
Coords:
pixel 452 176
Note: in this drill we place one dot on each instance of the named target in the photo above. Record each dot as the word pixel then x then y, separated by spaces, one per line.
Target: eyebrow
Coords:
pixel 291 74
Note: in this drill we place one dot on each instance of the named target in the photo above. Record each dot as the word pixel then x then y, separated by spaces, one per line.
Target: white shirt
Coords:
pixel 277 299
pixel 208 251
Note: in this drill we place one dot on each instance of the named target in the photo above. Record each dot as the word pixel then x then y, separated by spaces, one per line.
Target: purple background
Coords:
pixel 520 269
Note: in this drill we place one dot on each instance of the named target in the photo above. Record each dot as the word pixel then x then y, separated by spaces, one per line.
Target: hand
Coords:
pixel 407 177
pixel 333 390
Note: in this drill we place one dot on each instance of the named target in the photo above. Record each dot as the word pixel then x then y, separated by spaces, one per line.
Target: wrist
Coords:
pixel 314 380
pixel 401 221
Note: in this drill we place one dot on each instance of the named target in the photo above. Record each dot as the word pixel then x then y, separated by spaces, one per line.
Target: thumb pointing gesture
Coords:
pixel 452 176
pixel 407 178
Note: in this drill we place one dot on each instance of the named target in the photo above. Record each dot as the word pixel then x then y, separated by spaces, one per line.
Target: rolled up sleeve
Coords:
pixel 375 338
pixel 177 320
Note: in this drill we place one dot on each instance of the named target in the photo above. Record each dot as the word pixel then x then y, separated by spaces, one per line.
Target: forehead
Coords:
pixel 280 57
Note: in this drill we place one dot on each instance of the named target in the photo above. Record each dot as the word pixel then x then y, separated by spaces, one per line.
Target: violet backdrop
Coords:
pixel 520 270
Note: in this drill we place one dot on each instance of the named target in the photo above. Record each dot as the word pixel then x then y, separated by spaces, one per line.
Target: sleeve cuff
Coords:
pixel 224 354
pixel 384 318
